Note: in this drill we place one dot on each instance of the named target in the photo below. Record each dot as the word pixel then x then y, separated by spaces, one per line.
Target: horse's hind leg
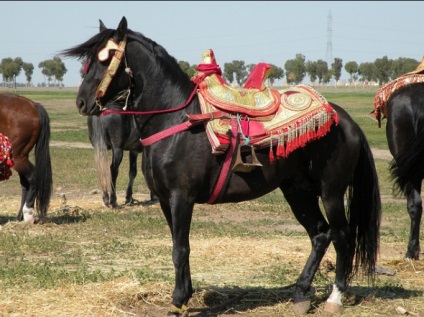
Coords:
pixel 117 155
pixel 415 210
pixel 25 170
pixel 131 176
pixel 340 236
pixel 305 207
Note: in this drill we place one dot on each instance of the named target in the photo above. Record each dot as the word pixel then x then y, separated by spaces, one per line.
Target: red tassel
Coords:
pixel 281 152
pixel 271 154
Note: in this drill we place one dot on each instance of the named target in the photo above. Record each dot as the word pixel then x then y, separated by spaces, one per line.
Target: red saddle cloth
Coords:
pixel 282 121
pixel 6 162
pixel 382 95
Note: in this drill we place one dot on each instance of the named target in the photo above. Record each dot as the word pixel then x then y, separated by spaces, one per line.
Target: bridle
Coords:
pixel 103 55
pixel 111 71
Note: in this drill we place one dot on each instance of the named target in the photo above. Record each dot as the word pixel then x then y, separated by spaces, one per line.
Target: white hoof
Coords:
pixel 28 215
pixel 332 308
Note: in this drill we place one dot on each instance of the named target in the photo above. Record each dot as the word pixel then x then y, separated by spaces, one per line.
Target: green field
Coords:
pixel 93 261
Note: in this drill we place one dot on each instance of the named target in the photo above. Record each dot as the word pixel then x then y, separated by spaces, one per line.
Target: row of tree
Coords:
pixel 382 70
pixel 53 70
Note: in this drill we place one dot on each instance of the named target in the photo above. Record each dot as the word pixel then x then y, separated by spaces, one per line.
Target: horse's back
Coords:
pixel 19 121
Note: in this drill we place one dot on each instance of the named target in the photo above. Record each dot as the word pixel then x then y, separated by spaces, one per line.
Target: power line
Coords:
pixel 329 55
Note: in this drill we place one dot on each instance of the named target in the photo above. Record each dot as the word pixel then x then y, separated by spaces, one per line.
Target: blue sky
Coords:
pixel 253 31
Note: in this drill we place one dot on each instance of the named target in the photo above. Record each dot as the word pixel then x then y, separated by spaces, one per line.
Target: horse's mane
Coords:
pixel 163 58
pixel 88 49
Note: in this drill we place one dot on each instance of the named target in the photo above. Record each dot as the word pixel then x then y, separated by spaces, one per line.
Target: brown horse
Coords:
pixel 27 125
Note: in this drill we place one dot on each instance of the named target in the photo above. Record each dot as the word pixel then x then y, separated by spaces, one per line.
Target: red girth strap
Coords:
pixel 194 119
pixel 227 163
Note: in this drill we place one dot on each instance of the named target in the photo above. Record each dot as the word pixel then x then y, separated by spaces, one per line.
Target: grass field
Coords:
pixel 93 261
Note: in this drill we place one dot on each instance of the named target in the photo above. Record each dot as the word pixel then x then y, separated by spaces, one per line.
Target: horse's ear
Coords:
pixel 122 27
pixel 102 26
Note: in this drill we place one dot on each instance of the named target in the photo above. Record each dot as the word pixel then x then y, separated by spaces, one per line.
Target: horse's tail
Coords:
pixel 101 159
pixel 407 167
pixel 364 209
pixel 43 166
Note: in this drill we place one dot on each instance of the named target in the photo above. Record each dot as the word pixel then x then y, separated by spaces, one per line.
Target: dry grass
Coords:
pixel 244 257
pixel 232 275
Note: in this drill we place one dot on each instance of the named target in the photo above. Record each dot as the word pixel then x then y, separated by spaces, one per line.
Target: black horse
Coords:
pixel 182 171
pixel 405 137
pixel 118 133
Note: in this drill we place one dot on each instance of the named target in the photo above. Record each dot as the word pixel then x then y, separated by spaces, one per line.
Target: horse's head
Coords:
pixel 123 64
pixel 105 62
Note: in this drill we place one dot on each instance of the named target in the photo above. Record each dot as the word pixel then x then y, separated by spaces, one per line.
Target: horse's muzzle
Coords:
pixel 87 109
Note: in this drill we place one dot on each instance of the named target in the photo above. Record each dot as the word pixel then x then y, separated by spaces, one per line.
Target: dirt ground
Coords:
pixel 126 297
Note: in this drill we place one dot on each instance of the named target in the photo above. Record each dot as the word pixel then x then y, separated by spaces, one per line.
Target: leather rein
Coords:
pixel 110 73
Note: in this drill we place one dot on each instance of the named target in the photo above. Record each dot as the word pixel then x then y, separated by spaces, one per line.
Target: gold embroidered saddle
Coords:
pixel 282 121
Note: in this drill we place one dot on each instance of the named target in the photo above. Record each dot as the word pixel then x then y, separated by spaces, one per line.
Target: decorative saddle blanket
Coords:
pixel 283 121
pixel 6 162
pixel 383 94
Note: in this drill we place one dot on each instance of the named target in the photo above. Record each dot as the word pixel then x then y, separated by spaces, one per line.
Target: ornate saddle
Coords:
pixel 6 162
pixel 383 94
pixel 282 121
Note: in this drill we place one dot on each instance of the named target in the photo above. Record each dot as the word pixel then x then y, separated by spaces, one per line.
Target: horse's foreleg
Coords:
pixel 415 210
pixel 306 210
pixel 131 176
pixel 181 213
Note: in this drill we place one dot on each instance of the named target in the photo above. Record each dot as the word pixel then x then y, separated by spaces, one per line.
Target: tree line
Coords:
pixel 53 70
pixel 381 71
pixel 295 70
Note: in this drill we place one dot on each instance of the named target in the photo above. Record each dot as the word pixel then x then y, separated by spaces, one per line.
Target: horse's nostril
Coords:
pixel 80 103
pixel 82 106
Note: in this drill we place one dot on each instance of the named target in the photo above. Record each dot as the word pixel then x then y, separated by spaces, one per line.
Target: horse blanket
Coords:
pixel 382 95
pixel 6 162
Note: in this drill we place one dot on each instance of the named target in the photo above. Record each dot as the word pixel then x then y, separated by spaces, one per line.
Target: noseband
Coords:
pixel 111 70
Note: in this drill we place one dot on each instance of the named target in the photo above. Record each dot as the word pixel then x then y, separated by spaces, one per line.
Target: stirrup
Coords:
pixel 240 166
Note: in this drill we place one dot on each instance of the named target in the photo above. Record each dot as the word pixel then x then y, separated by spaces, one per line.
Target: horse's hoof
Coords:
pixel 301 308
pixel 332 308
pixel 178 312
pixel 129 202
pixel 185 314
pixel 29 218
pixel 113 204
